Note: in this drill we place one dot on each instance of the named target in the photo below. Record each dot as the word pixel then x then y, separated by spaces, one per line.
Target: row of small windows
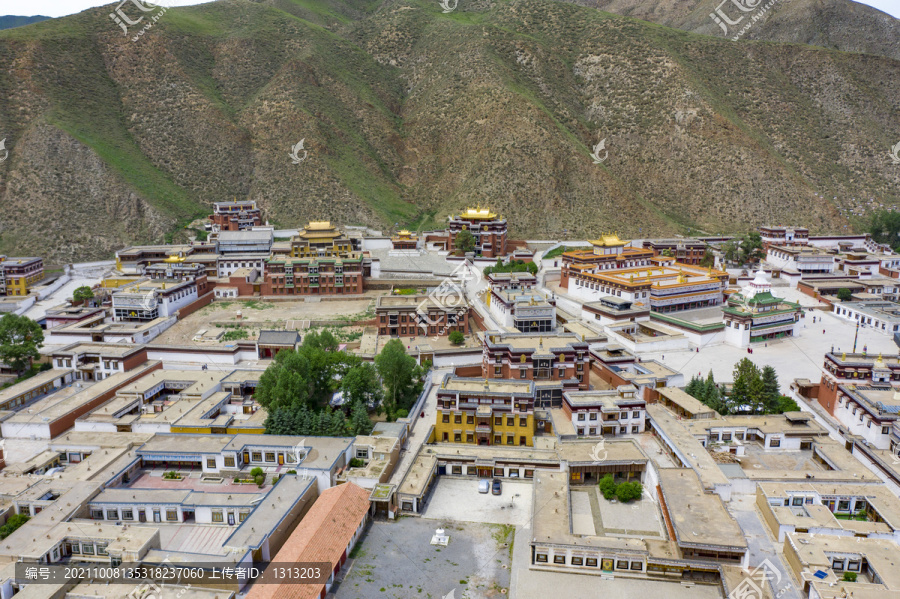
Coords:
pixel 622 415
pixel 591 562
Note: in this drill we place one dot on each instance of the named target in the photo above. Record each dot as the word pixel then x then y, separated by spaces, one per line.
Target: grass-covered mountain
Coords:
pixel 409 113
pixel 10 21
pixel 836 24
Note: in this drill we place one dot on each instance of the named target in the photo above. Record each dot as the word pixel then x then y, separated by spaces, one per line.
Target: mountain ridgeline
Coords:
pixel 120 134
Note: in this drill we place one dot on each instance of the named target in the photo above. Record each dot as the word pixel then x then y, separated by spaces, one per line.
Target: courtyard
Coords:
pixel 396 560
pixel 255 315
pixel 792 357
pixel 459 500
pixel 594 515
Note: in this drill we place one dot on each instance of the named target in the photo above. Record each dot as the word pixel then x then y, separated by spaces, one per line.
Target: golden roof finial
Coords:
pixel 844 357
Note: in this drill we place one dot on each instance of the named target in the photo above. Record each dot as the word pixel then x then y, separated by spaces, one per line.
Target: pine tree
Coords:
pixel 771 391
pixel 740 399
pixel 756 393
pixel 713 395
pixel 359 419
pixel 693 388
pixel 338 427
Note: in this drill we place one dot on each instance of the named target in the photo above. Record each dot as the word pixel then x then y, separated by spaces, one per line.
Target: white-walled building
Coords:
pixel 870 411
pixel 802 259
pixel 755 315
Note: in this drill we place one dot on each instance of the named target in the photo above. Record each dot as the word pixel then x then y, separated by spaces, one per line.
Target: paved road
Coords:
pixel 762 547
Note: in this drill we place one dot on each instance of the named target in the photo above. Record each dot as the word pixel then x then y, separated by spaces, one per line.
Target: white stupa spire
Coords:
pixel 759 284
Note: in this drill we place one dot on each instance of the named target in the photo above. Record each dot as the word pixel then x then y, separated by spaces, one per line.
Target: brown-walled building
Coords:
pixel 489 229
pixel 555 362
pixel 414 315
pixel 236 216
pixel 854 369
pixel 313 276
pixel 685 251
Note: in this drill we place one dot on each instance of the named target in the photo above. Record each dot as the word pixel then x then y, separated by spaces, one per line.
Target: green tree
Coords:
pixel 694 388
pixel 771 390
pixel 708 260
pixel 82 294
pixel 667 253
pixel 844 294
pixel 456 337
pixel 732 250
pixel 20 339
pixel 629 491
pixel 360 424
pixel 885 228
pixel 751 247
pixel 465 241
pixel 742 396
pixel 786 404
pixel 397 370
pixel 608 486
pixel 361 385
pixel 13 523
pixel 712 396
pixel 287 382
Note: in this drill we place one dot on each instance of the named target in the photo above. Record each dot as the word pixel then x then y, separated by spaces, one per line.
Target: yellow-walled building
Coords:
pixel 485 412
pixel 18 275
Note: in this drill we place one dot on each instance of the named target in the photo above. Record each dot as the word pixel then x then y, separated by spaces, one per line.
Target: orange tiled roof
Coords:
pixel 321 536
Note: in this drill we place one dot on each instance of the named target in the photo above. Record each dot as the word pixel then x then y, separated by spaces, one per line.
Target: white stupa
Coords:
pixel 759 284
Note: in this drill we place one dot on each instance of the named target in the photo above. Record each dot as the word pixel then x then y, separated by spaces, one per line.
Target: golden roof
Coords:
pixel 611 240
pixel 174 259
pixel 319 229
pixel 478 214
pixel 319 225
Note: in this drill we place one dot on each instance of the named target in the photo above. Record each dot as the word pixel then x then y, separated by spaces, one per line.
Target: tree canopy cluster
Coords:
pixel 623 492
pixel 299 385
pixel 746 248
pixel 512 266
pixel 754 391
pixel 81 294
pixel 20 339
pixel 464 242
pixel 885 228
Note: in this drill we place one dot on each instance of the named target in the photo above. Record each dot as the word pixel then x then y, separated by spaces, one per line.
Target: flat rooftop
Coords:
pixel 71 398
pixel 688 447
pixel 815 553
pixel 686 402
pixel 32 383
pixel 546 342
pixel 699 518
pixel 110 350
pixel 552 523
pixel 487 386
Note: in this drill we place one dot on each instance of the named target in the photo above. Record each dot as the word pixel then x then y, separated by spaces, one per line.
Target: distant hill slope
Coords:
pixel 408 114
pixel 10 21
pixel 836 24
